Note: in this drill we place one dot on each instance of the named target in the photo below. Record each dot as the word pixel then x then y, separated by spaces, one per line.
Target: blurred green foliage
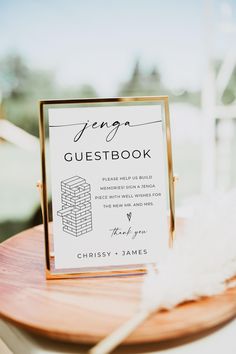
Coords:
pixel 149 83
pixel 229 94
pixel 22 87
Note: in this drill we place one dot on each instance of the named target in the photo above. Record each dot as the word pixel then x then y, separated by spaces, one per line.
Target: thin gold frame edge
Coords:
pixel 104 100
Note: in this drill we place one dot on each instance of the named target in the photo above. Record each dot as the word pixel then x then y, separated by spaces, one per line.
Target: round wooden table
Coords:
pixel 86 310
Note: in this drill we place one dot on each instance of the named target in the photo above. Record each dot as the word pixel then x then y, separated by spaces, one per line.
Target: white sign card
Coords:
pixel 109 185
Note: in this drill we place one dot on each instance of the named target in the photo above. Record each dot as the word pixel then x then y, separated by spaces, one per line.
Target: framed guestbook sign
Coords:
pixel 107 169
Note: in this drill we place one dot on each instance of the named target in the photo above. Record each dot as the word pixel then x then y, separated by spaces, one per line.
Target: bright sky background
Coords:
pixel 97 41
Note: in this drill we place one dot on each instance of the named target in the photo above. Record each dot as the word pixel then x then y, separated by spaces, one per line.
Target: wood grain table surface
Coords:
pixel 86 310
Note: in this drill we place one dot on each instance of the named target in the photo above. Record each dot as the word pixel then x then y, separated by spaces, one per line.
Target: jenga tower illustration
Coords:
pixel 76 206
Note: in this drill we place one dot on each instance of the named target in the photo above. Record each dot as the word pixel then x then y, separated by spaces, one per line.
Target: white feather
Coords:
pixel 203 257
pixel 202 260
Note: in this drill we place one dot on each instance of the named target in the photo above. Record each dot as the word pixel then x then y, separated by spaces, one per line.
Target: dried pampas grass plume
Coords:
pixel 200 264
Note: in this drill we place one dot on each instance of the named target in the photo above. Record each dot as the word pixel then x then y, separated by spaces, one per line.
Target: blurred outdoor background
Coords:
pixel 71 49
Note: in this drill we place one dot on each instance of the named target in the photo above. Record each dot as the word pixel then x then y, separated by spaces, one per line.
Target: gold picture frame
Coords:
pixel 51 272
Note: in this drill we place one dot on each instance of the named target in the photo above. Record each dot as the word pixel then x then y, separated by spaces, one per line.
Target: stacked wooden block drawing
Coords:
pixel 76 206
